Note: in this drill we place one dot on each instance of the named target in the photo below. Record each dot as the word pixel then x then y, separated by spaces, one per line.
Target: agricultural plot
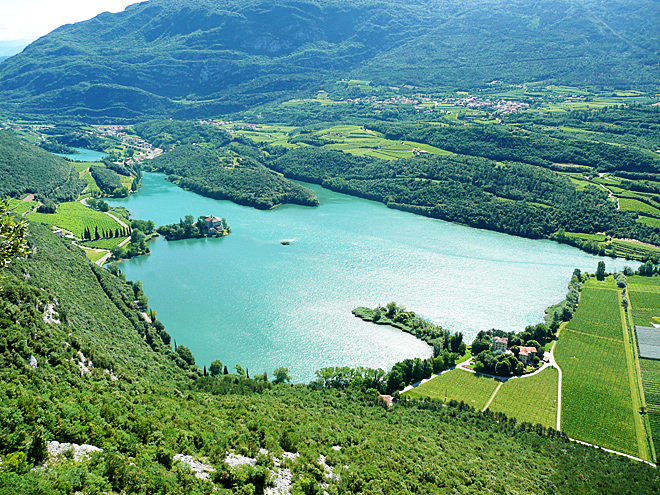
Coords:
pixel 651 382
pixel 645 302
pixel 459 385
pixel 596 389
pixel 75 217
pixel 648 342
pixel 633 249
pixel 531 399
pixel 91 183
pixel 653 222
pixel 630 204
pixel 21 207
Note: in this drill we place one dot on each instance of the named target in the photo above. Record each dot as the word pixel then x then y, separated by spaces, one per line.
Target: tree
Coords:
pixel 225 371
pixel 240 371
pixel 391 310
pixel 215 368
pixel 600 271
pixel 281 375
pixel 185 354
pixel 13 235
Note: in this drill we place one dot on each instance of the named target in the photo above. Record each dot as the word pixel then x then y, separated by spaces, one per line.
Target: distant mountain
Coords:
pixel 201 57
pixel 2 59
pixel 9 48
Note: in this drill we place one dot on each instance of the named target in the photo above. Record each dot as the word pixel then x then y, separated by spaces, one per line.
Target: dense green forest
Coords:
pixel 202 57
pixel 219 174
pixel 81 365
pixel 27 169
pixel 514 198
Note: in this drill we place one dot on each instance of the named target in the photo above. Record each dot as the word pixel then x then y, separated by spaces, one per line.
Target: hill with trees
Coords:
pixel 80 364
pixel 27 169
pixel 204 57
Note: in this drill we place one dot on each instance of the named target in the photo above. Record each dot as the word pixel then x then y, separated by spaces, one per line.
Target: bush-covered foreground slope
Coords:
pixel 27 169
pixel 150 405
pixel 206 57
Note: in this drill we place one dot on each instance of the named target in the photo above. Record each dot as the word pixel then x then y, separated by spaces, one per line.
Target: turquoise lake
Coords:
pixel 84 155
pixel 248 299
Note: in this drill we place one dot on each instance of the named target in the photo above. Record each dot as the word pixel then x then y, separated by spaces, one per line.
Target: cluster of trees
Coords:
pixel 104 234
pixel 397 316
pixel 109 181
pixel 137 246
pixel 218 175
pixel 27 169
pixel 188 228
pixel 98 204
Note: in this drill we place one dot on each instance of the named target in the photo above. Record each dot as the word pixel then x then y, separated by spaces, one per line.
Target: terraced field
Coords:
pixel 75 217
pixel 458 385
pixel 596 391
pixel 531 399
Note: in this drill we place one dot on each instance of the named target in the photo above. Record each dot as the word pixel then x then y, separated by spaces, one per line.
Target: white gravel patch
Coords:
pixel 201 470
pixel 56 449
pixel 282 480
pixel 234 460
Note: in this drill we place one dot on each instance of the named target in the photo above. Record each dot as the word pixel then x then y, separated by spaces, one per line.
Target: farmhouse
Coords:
pixel 499 344
pixel 527 355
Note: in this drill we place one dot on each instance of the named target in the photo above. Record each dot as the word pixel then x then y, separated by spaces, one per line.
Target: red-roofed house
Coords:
pixel 527 355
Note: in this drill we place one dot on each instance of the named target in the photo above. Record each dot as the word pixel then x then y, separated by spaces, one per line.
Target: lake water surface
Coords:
pixel 248 299
pixel 84 155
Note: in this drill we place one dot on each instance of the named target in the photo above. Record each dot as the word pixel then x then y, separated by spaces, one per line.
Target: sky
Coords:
pixel 31 19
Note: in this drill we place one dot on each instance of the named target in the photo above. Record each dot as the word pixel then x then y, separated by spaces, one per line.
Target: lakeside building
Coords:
pixel 527 355
pixel 499 344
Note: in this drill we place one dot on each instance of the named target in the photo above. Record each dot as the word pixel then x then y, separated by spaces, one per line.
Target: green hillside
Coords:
pixel 27 169
pixel 203 57
pixel 142 404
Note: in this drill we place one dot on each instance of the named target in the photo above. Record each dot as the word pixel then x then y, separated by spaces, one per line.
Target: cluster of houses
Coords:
pixel 145 150
pixel 526 355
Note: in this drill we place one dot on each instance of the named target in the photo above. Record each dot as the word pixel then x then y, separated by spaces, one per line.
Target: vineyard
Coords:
pixel 459 385
pixel 75 217
pixel 645 300
pixel 531 399
pixel 21 207
pixel 103 243
pixel 651 381
pixel 596 396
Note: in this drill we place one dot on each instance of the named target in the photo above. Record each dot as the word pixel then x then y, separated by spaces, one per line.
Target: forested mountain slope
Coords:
pixel 28 169
pixel 149 406
pixel 201 57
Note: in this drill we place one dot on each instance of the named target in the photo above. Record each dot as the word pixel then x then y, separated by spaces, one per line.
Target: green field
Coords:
pixel 21 207
pixel 93 255
pixel 531 399
pixel 651 381
pixel 596 391
pixel 636 205
pixel 103 243
pixel 459 385
pixel 645 303
pixel 653 222
pixel 75 217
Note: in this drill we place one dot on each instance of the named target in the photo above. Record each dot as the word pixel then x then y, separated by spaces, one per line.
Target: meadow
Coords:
pixel 531 399
pixel 75 217
pixel 596 391
pixel 21 207
pixel 458 385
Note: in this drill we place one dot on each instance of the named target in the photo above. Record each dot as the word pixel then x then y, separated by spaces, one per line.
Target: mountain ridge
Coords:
pixel 197 57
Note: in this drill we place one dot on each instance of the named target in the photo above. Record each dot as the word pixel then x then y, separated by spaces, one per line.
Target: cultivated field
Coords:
pixel 21 207
pixel 596 388
pixel 75 217
pixel 458 385
pixel 651 380
pixel 636 205
pixel 531 399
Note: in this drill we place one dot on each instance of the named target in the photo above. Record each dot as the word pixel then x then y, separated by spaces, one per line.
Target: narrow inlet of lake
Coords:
pixel 248 299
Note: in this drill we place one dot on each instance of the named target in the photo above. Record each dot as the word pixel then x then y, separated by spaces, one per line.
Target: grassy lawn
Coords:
pixel 532 399
pixel 75 217
pixel 103 243
pixel 459 385
pixel 93 255
pixel 596 391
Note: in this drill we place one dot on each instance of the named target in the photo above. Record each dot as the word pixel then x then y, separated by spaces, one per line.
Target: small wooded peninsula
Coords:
pixel 188 228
